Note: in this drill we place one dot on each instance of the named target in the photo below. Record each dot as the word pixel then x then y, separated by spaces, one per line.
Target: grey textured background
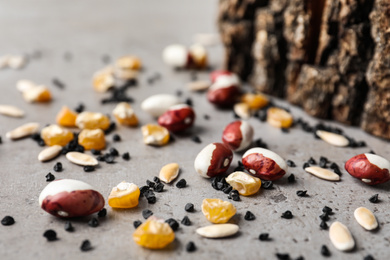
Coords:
pixel 90 29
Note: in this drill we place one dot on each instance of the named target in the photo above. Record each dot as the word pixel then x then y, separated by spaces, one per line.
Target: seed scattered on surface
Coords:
pixel 146 213
pixel 85 246
pixel 249 216
pixel 23 131
pixel 301 193
pixel 196 139
pixel 155 135
pixel 7 221
pixel 190 247
pixel 322 173
pixel 234 195
pixel 116 138
pixel 290 163
pixel 264 237
pixel 50 177
pixel 267 185
pixel 181 184
pixel 325 251
pixel 11 111
pixel 291 178
pixel 137 223
pixel 368 257
pixel 280 118
pixel 323 225
pixel 327 210
pixel 306 165
pixel 312 161
pixel 169 172
pixel 218 231
pixel 189 207
pixel 242 110
pixel 287 215
pixel 186 221
pixel 281 256
pixel 324 217
pixel 333 138
pixel 102 213
pixel 199 85
pixel 94 222
pixel 81 159
pixel 126 156
pixel 374 198
pixel 68 226
pixel 173 224
pixel 89 168
pixel 49 153
pixel 57 167
pixel 341 237
pixel 365 218
pixel 244 183
pixel 50 235
pixel 159 187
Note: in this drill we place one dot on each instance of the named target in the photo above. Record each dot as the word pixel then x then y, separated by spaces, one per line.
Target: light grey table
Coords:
pixel 90 29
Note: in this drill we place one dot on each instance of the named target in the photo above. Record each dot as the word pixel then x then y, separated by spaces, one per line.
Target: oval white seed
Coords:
pixel 11 111
pixel 200 85
pixel 242 110
pixel 365 218
pixel 24 84
pixel 156 105
pixel 17 62
pixel 169 172
pixel 332 138
pixel 341 237
pixel 81 159
pixel 49 153
pixel 175 55
pixel 23 131
pixel 218 230
pixel 322 173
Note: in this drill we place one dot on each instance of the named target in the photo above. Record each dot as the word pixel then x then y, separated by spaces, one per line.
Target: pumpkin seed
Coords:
pixel 218 230
pixel 81 159
pixel 49 153
pixel 169 172
pixel 24 84
pixel 199 85
pixel 17 62
pixel 365 218
pixel 323 173
pixel 12 111
pixel 23 131
pixel 341 237
pixel 332 138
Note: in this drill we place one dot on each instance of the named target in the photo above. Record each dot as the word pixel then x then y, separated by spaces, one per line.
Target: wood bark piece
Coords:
pixel 236 10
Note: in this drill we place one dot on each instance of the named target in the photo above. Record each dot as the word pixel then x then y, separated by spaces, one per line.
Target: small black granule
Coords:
pixel 196 139
pixel 323 161
pixel 206 117
pixel 285 130
pixel 283 256
pixel 79 148
pixel 57 167
pixel 50 177
pixel 368 257
pixel 94 222
pixel 113 151
pixel 156 179
pixel 327 210
pixel 333 166
pixel 150 184
pixel 305 165
pixel 214 182
pixel 374 198
pixel 267 185
pixel 58 83
pixel 116 138
pixel 291 178
pixel 234 195
pixel 301 193
pixel 7 221
pixel 85 246
pixel 311 161
pixel 68 226
pixel 189 207
pixel 337 171
pixel 159 187
pixel 263 236
pixel 290 163
pixel 190 247
pixel 80 108
pixel 324 217
pixel 186 221
pixel 109 159
pixel 41 143
pixel 126 156
pixel 173 224
pixel 50 235
pixel 300 258
pixel 189 102
pixel 323 225
pixel 95 152
pixel 361 144
pixel 372 151
pixel 325 251
pixel 89 168
pixel 220 185
pixel 144 189
pixel 102 213
pixel 1 140
pixel 181 184
pixel 249 216
pixel 259 143
pixel 111 128
pixel 137 223
pixel 147 213
pixel 262 115
pixel 227 189
pixel 287 215
pixel 101 158
pixel 151 199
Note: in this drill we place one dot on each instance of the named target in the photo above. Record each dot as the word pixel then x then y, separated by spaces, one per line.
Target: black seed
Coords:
pixel 7 221
pixel 173 224
pixel 111 128
pixel 311 161
pixel 89 168
pixel 324 217
pixel 68 226
pixel 41 143
pixel 58 83
pixel 287 215
pixel 196 139
pixel 283 256
pixel 79 149
pixel 85 246
pixel 374 198
pixel 109 159
pixel 327 210
pixel 151 199
pixel 190 247
pixel 249 216
pixel 50 235
pixel 159 187
pixel 301 193
pixel 285 130
pixel 323 225
pixel 234 195
pixel 147 213
pixel 156 179
pixel 149 193
pixel 189 102
pixel 290 163
pixel 206 117
pixel 80 108
pixel 322 164
pixel 101 158
pixel 219 185
pixel 189 207
pixel 368 257
pixel 181 184
pixel 126 156
pixel 113 151
pixel 262 115
pixel 337 171
pixel 137 223
pixel 263 236
pixel 333 166
pixel 50 177
pixel 95 152
pixel 186 221
pixel 305 165
pixel 94 222
pixel 300 258
pixel 267 185
pixel 57 167
pixel 102 213
pixel 116 138
pixel 372 151
pixel 1 140
pixel 291 178
pixel 227 189
pixel 144 189
pixel 260 143
pixel 325 251
pixel 150 184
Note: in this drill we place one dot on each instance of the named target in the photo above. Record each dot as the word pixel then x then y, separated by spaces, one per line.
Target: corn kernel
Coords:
pixel 125 115
pixel 124 195
pixel 103 79
pixel 37 94
pixel 129 62
pixel 54 134
pixel 218 211
pixel 255 101
pixel 91 120
pixel 279 117
pixel 66 117
pixel 155 135
pixel 92 139
pixel 244 183
pixel 154 234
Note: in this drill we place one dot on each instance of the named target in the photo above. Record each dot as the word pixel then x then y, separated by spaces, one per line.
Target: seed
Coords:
pixel 181 184
pixel 137 223
pixel 116 138
pixel 341 237
pixel 327 210
pixel 244 183
pixel 234 195
pixel 365 218
pixel 242 110
pixel 85 246
pixel 37 94
pixel 291 178
pixel 92 120
pixel 81 159
pixel 155 135
pixel 324 217
pixel 325 251
pixel 154 234
pixel 49 153
pixel 189 207
pixel 175 56
pixel 268 185
pixel 57 167
pixel 7 221
pixel 249 216
pixel 264 237
pixel 332 138
pixel 89 168
pixel 173 224
pixel 102 213
pixel 190 247
pixel 156 105
pixel 196 139
pixel 218 231
pixel 169 172
pixel 287 215
pixel 290 163
pixel 374 198
pixel 159 187
pixel 126 156
pixel 186 221
pixel 301 193
pixel 50 177
pixel 368 257
pixel 177 118
pixel 125 114
pixel 94 222
pixel 50 235
pixel 11 111
pixel 283 256
pixel 103 79
pixel 278 117
pixel 311 161
pixel 68 226
pixel 322 173
pixel 323 225
pixel 146 213
pixel 17 61
pixel 23 131
pixel 200 85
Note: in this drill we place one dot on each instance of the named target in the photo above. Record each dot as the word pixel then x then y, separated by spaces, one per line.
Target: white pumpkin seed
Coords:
pixel 242 110
pixel 156 105
pixel 23 131
pixel 4 61
pixel 24 84
pixel 81 159
pixel 341 237
pixel 218 230
pixel 332 138
pixel 49 153
pixel 12 111
pixel 169 172
pixel 323 173
pixel 200 85
pixel 365 218
pixel 17 62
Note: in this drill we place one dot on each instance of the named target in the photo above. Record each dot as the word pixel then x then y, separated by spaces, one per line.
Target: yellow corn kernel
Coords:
pixel 125 115
pixel 66 117
pixel 155 135
pixel 254 101
pixel 91 120
pixel 129 62
pixel 279 117
pixel 103 79
pixel 154 234
pixel 37 94
pixel 54 134
pixel 125 195
pixel 244 183
pixel 218 211
pixel 92 139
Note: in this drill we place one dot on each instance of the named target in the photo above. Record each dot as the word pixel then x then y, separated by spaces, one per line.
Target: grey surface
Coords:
pixel 89 29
